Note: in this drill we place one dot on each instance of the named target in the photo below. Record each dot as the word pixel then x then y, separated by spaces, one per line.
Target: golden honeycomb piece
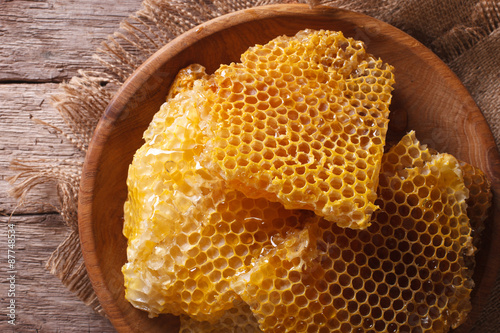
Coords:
pixel 167 198
pixel 479 201
pixel 478 205
pixel 164 165
pixel 404 273
pixel 302 120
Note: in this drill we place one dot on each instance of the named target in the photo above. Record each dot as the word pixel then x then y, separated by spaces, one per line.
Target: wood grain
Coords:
pixel 428 98
pixel 42 303
pixel 49 41
pixel 43 43
pixel 24 139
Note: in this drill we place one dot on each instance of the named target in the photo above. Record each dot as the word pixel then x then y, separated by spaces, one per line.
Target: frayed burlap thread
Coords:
pixel 464 33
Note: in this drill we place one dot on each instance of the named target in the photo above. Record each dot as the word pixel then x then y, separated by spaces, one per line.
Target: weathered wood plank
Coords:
pixel 21 137
pixel 42 303
pixel 48 41
pixel 43 42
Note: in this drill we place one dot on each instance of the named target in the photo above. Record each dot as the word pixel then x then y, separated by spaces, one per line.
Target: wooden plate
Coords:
pixel 428 98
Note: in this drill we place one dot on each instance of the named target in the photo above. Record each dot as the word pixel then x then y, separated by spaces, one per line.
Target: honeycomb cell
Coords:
pixel 312 105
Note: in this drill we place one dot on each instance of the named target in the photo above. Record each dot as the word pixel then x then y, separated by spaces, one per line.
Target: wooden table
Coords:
pixel 42 44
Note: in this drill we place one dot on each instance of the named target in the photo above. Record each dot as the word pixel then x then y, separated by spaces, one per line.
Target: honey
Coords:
pixel 262 201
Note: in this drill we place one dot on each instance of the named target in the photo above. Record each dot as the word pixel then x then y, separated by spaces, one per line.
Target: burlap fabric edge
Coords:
pixel 465 34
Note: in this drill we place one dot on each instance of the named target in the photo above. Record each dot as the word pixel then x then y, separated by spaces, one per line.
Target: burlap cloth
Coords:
pixel 464 33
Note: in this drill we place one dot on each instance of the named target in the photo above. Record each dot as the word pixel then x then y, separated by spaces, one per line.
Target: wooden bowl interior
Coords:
pixel 427 98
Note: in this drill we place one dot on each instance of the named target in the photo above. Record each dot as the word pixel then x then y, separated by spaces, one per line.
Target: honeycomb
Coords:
pixel 404 273
pixel 479 200
pixel 302 120
pixel 167 196
pixel 249 249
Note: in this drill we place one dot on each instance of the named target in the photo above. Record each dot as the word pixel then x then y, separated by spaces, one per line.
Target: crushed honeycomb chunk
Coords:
pixel 167 196
pixel 302 120
pixel 404 273
pixel 200 263
pixel 189 236
pixel 185 79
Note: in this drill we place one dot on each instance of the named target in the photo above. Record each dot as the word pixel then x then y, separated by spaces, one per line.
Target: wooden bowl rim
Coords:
pixel 139 77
